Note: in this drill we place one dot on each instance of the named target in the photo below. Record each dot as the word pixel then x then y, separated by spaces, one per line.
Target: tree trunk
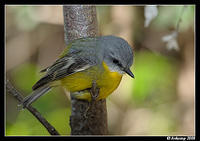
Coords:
pixel 81 21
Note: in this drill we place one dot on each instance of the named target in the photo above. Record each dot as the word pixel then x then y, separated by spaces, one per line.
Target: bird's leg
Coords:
pixel 94 91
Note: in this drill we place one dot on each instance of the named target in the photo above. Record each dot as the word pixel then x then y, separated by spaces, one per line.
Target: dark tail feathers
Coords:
pixel 44 80
pixel 35 95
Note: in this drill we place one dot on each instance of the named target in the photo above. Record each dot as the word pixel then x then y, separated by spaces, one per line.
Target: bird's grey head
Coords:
pixel 118 54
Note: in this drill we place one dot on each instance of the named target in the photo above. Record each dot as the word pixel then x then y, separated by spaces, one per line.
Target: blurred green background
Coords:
pixel 159 101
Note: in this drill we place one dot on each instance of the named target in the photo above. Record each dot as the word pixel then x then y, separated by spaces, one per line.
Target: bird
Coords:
pixel 86 62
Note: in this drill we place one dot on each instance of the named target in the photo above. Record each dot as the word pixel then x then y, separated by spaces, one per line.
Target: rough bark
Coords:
pixel 81 21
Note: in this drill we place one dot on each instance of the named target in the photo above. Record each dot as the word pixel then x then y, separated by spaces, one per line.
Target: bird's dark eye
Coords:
pixel 115 61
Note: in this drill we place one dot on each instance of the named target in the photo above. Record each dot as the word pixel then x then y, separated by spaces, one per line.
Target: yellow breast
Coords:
pixel 106 80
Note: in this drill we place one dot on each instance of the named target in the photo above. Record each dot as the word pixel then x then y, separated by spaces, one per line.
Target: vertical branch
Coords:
pixel 81 21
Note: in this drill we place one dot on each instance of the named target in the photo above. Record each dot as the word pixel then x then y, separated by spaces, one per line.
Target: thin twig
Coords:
pixel 11 90
pixel 180 18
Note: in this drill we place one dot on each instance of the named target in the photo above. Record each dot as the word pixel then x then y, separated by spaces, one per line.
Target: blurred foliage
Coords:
pixel 168 16
pixel 31 126
pixel 25 17
pixel 157 74
pixel 25 76
pixel 54 109
pixel 154 88
pixel 154 105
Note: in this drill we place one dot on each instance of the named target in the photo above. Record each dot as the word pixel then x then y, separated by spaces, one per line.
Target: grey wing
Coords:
pixel 62 67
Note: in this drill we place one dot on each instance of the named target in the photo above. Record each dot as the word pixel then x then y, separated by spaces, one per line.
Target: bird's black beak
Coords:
pixel 128 71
